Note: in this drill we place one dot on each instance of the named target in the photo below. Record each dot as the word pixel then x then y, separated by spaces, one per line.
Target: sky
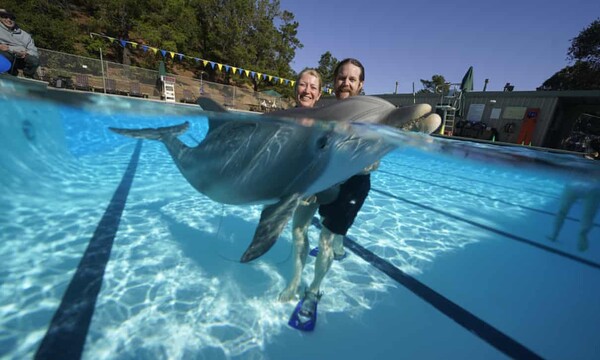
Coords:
pixel 522 42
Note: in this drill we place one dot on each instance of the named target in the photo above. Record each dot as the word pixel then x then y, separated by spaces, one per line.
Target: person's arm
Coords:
pixel 30 47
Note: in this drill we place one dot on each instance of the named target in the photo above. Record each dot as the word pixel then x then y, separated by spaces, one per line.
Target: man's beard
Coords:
pixel 347 90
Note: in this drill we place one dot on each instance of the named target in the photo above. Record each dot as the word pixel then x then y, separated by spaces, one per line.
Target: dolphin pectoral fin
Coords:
pixel 272 221
pixel 153 133
pixel 210 105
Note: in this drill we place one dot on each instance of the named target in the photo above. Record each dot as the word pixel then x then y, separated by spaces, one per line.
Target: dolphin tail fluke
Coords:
pixel 272 221
pixel 153 133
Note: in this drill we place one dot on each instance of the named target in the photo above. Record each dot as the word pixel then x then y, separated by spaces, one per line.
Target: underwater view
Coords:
pixel 108 252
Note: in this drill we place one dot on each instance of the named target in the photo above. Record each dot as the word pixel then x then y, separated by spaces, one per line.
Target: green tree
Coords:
pixel 584 74
pixel 326 67
pixel 437 84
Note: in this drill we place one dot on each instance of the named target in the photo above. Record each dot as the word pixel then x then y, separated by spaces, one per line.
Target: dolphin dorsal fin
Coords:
pixel 210 105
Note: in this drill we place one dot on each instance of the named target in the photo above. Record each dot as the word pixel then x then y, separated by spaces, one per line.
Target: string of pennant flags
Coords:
pixel 213 64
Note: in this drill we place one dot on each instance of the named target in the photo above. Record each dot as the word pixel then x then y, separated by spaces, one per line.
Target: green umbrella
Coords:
pixel 162 70
pixel 467 81
pixel 272 93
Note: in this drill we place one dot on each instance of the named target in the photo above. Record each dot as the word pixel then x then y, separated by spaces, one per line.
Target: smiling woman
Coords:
pixel 308 88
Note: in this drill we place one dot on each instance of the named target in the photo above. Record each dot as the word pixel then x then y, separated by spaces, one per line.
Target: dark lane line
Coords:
pixel 66 334
pixel 480 196
pixel 496 231
pixel 464 318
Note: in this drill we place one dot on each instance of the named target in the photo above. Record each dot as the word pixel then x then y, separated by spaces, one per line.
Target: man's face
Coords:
pixel 347 81
pixel 7 20
pixel 307 90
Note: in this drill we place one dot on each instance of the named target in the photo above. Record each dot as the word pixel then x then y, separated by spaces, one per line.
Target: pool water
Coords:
pixel 108 253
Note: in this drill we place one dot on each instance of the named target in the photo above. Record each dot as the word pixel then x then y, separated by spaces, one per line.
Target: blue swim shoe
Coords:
pixel 304 317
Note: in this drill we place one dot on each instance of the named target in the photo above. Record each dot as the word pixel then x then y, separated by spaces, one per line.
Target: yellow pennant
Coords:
pixel 205 62
pixel 172 54
pixel 280 80
pixel 259 75
pixel 270 77
pixel 292 82
pixel 134 45
pixel 220 66
pixel 154 50
pixel 233 70
pixel 247 72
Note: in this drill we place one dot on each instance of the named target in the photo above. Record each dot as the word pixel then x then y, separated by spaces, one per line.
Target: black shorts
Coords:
pixel 339 215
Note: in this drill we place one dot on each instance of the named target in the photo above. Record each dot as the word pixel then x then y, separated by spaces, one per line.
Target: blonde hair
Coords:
pixel 312 72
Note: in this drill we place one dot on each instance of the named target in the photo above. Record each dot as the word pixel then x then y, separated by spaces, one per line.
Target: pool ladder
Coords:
pixel 447 108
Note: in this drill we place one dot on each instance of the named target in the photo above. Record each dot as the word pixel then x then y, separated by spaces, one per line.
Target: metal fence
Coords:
pixel 81 73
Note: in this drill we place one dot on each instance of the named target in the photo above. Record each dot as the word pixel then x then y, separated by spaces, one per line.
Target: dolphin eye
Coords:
pixel 322 142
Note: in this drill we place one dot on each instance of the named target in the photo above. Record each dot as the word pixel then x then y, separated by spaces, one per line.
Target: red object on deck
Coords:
pixel 528 126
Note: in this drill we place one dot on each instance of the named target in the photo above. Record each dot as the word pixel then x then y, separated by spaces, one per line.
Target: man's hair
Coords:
pixel 353 62
pixel 312 72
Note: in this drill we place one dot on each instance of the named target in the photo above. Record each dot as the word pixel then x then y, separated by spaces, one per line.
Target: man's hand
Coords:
pixel 3 47
pixel 21 54
pixel 417 118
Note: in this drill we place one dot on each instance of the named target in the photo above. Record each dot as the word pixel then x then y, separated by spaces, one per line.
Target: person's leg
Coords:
pixel 590 207
pixel 30 66
pixel 324 260
pixel 567 200
pixel 338 246
pixel 300 224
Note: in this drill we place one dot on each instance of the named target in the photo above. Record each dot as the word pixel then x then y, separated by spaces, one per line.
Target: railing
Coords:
pixel 68 71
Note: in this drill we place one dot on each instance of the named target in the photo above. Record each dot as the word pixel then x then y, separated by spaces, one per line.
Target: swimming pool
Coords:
pixel 109 253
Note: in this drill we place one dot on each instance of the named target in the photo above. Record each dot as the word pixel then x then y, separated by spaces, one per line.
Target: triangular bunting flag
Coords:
pixel 111 39
pixel 247 72
pixel 123 43
pixel 180 56
pixel 270 77
pixel 287 81
pixel 145 48
pixel 197 60
pixel 226 68
pixel 172 54
pixel 134 45
pixel 253 74
pixel 281 80
pixel 154 50
pixel 233 69
pixel 259 75
pixel 220 66
pixel 205 63
pixel 212 64
pixel 164 53
pixel 292 82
